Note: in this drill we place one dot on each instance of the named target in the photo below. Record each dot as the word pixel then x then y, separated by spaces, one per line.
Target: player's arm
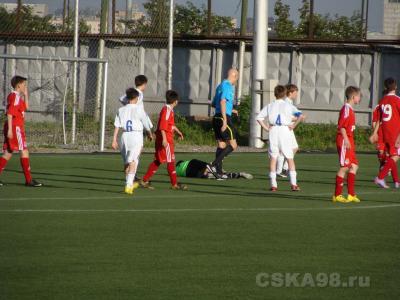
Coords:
pixel 398 142
pixel 297 122
pixel 164 138
pixel 345 137
pixel 261 117
pixel 374 136
pixel 115 137
pixel 26 97
pixel 9 123
pixel 176 129
pixel 223 113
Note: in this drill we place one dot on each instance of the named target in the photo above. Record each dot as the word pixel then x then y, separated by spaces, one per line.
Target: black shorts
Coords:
pixel 230 132
pixel 196 169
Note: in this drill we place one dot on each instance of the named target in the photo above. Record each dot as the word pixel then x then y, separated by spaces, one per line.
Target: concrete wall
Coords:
pixel 322 73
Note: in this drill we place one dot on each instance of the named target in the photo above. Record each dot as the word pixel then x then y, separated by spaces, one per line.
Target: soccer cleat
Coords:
pixel 340 199
pixel 1 183
pixel 33 183
pixel 282 175
pixel 295 188
pixel 354 198
pixel 381 183
pixel 128 190
pixel 146 185
pixel 273 189
pixel 213 171
pixel 397 185
pixel 179 187
pixel 246 175
pixel 135 186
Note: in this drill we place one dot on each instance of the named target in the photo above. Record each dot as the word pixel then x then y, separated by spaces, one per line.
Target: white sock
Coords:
pixel 279 163
pixel 286 166
pixel 130 178
pixel 293 177
pixel 272 176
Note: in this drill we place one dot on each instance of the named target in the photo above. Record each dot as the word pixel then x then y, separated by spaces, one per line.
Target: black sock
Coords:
pixel 222 155
pixel 218 167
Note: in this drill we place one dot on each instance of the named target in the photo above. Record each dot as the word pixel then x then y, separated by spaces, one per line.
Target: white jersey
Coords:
pixel 278 113
pixel 131 117
pixel 296 111
pixel 139 103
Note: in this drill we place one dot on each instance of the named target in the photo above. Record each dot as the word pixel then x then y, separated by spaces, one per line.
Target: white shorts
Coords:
pixel 280 141
pixel 295 145
pixel 131 145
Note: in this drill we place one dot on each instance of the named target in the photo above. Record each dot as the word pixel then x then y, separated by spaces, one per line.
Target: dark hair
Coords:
pixel 280 92
pixel 351 91
pixel 390 84
pixel 171 96
pixel 17 80
pixel 132 93
pixel 140 80
pixel 290 88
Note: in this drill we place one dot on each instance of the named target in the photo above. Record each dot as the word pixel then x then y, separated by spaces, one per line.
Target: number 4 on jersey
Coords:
pixel 278 121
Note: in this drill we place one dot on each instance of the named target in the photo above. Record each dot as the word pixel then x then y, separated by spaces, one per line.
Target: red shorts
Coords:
pixel 392 149
pixel 347 157
pixel 17 143
pixel 164 154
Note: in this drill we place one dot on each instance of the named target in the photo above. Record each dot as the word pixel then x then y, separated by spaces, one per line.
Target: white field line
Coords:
pixel 180 210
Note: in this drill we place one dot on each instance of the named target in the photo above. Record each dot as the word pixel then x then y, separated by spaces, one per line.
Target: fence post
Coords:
pixel 104 107
pixel 170 43
pixel 75 72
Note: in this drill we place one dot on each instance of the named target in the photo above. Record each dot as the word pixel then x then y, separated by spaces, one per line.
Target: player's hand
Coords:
pixel 347 144
pixel 165 143
pixel 224 127
pixel 115 145
pixel 397 144
pixel 10 134
pixel 373 139
pixel 291 127
pixel 180 136
pixel 235 111
pixel 150 137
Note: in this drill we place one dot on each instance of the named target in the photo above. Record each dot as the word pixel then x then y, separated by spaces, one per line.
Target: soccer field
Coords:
pixel 80 237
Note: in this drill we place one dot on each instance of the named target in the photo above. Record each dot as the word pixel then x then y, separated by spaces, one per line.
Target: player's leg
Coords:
pixel 26 168
pixel 293 175
pixel 286 147
pixel 151 170
pixel 170 159
pixel 279 165
pixel 221 145
pixel 272 172
pixel 351 180
pixel 340 175
pixel 391 164
pixel 3 161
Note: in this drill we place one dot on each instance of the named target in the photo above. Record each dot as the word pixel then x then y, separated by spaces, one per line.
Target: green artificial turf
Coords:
pixel 80 237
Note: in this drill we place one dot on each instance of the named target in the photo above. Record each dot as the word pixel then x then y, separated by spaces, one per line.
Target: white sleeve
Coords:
pixel 263 114
pixel 117 122
pixel 144 118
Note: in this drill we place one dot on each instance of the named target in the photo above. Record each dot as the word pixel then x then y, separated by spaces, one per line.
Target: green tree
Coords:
pixel 188 19
pixel 283 25
pixel 325 26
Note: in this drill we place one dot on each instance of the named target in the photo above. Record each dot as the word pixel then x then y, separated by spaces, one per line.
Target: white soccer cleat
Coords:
pixel 246 175
pixel 381 183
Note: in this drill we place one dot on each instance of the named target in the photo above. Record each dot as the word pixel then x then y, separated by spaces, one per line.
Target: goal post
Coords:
pixel 51 94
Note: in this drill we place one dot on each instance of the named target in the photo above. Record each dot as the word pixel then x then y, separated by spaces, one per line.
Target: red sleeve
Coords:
pixel 163 121
pixel 343 119
pixel 12 109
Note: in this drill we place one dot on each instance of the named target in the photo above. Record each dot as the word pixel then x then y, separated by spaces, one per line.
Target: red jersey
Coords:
pixel 390 117
pixel 166 122
pixel 347 120
pixel 16 107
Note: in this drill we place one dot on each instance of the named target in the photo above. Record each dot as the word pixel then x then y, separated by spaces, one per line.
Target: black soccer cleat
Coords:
pixel 211 169
pixel 34 183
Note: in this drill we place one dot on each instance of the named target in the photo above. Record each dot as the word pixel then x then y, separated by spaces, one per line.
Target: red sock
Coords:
pixel 351 180
pixel 339 185
pixel 382 158
pixel 395 172
pixel 390 164
pixel 3 163
pixel 172 173
pixel 26 168
pixel 151 170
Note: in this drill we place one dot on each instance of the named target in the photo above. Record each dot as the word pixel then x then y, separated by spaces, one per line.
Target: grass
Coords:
pixel 79 237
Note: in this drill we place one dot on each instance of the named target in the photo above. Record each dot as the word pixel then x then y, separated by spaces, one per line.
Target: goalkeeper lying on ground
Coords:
pixel 199 169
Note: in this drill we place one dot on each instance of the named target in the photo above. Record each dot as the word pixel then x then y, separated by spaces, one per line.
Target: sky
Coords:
pixel 232 7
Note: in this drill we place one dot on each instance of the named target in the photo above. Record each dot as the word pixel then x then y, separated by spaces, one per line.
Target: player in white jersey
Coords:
pixel 141 85
pixel 282 167
pixel 279 116
pixel 132 119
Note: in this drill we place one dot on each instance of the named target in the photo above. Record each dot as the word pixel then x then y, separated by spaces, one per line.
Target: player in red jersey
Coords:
pixel 14 129
pixel 346 147
pixel 390 125
pixel 380 145
pixel 165 143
